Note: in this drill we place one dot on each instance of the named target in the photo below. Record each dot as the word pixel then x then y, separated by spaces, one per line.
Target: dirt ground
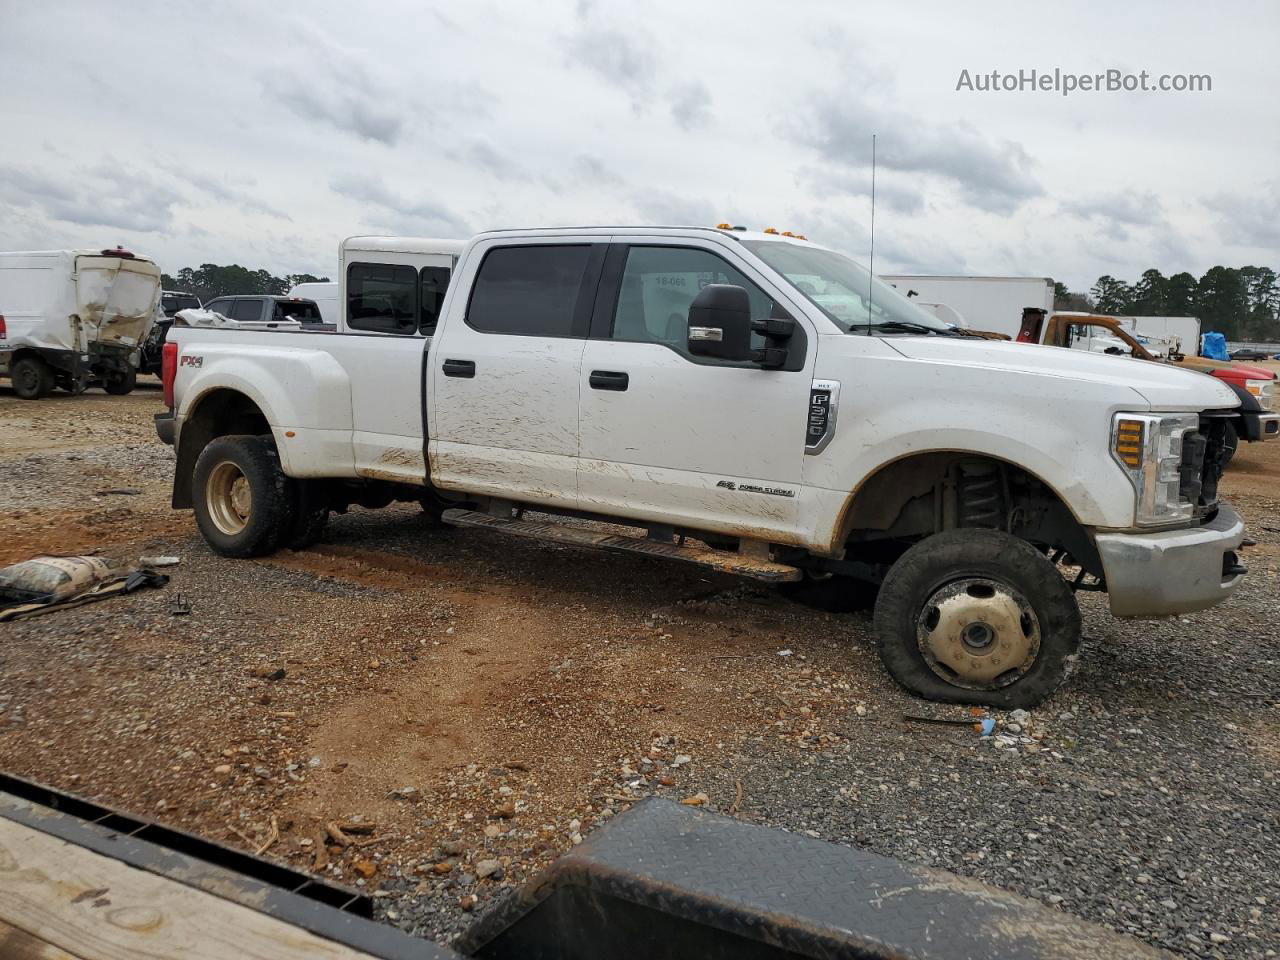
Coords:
pixel 473 698
pixel 414 657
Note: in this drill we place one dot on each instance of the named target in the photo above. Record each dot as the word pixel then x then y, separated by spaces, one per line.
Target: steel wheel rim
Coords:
pixel 978 633
pixel 28 379
pixel 229 498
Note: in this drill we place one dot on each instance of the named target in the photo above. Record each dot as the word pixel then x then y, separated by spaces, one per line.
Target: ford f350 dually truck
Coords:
pixel 750 402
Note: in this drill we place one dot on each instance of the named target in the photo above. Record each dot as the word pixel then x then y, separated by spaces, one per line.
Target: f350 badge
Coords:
pixel 820 424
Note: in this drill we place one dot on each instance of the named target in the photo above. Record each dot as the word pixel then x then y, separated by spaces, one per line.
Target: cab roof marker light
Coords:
pixel 773 230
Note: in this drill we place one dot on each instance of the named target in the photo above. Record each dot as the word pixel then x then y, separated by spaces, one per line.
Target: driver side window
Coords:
pixel 659 283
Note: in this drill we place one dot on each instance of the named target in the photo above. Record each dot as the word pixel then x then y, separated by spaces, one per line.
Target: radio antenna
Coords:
pixel 871 268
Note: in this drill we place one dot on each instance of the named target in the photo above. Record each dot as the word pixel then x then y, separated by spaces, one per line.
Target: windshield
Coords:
pixel 840 288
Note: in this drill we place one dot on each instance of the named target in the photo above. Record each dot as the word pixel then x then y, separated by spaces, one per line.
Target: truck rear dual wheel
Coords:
pixel 245 506
pixel 977 616
pixel 32 378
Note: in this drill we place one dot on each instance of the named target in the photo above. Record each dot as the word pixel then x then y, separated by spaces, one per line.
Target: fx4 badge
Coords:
pixel 186 360
pixel 820 424
pixel 755 488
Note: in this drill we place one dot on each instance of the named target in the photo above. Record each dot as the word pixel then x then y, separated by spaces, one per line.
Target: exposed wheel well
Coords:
pixel 218 413
pixel 928 493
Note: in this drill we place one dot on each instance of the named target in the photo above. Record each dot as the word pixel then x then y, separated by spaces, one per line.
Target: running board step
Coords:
pixel 719 560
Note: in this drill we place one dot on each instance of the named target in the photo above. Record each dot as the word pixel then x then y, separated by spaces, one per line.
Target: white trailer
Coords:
pixel 68 316
pixel 992 304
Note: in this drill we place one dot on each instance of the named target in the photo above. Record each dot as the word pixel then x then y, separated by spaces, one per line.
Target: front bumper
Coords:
pixel 1173 571
pixel 1261 426
pixel 166 427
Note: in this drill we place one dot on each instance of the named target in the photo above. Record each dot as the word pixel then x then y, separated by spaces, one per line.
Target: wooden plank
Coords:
pixel 97 908
pixel 17 944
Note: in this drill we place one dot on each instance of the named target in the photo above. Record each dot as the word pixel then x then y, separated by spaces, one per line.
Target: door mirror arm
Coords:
pixel 776 332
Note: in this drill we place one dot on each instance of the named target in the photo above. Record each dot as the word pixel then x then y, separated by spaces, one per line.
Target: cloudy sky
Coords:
pixel 264 133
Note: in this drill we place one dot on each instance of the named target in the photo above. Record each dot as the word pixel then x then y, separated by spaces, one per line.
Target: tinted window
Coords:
pixel 247 308
pixel 658 285
pixel 382 297
pixel 528 291
pixel 435 281
pixel 172 303
pixel 304 311
pixel 219 306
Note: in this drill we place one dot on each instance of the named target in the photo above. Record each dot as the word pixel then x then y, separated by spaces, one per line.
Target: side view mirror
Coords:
pixel 720 322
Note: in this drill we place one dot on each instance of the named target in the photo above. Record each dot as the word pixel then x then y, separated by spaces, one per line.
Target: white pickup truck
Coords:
pixel 752 402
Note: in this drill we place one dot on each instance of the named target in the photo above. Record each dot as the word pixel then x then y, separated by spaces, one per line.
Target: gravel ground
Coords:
pixel 486 702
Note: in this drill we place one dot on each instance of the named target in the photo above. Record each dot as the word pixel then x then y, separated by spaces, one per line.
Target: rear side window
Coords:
pixel 219 306
pixel 529 291
pixel 172 303
pixel 382 297
pixel 247 309
pixel 435 281
pixel 303 311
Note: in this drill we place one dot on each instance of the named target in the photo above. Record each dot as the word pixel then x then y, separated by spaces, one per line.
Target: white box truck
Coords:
pixel 71 316
pixel 991 304
pixel 1175 334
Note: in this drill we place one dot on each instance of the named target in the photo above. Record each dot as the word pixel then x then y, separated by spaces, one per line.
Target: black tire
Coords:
pixel 834 594
pixel 266 496
pixel 982 558
pixel 434 506
pixel 1230 441
pixel 309 516
pixel 32 378
pixel 121 384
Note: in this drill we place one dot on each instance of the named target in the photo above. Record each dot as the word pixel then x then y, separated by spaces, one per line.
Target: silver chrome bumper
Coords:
pixel 1173 571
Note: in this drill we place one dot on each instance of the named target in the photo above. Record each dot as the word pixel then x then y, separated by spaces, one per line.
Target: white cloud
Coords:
pixel 263 134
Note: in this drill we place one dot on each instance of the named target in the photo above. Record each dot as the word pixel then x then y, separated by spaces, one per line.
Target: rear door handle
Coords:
pixel 459 368
pixel 609 380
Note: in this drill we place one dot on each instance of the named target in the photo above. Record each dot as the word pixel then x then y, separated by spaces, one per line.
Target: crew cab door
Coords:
pixel 682 439
pixel 502 407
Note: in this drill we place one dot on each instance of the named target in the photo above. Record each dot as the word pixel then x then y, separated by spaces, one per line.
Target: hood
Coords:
pixel 1163 387
pixel 1237 371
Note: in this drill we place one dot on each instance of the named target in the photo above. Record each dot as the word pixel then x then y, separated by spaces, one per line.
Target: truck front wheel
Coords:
pixel 977 616
pixel 32 378
pixel 1230 440
pixel 242 499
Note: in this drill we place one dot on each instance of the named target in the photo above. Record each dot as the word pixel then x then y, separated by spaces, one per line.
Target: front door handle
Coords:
pixel 459 368
pixel 609 380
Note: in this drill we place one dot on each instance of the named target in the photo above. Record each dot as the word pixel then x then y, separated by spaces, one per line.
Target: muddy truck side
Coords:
pixel 750 402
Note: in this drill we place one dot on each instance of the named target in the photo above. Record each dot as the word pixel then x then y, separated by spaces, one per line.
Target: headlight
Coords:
pixel 1264 390
pixel 1149 448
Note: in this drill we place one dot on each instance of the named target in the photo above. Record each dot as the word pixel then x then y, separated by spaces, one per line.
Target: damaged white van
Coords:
pixel 68 317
